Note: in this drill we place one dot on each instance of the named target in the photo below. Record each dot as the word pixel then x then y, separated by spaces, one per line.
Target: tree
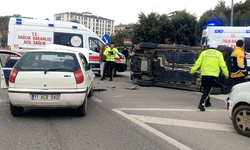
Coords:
pixel 183 31
pixel 118 39
pixel 153 28
pixel 216 18
pixel 4 22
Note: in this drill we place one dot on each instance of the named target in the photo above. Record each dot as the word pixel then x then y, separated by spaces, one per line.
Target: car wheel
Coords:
pixel 241 120
pixel 91 92
pixel 16 111
pixel 82 110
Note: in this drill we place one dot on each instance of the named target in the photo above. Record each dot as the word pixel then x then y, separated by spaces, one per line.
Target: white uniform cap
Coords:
pixel 213 44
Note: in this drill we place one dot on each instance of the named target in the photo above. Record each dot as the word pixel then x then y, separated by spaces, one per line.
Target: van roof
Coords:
pixel 48 23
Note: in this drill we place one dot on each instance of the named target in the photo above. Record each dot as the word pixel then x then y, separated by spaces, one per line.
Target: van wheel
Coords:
pixel 241 120
pixel 16 111
pixel 82 110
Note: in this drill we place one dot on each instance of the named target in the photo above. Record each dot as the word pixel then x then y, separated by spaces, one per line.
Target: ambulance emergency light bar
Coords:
pixel 17 16
pixel 74 20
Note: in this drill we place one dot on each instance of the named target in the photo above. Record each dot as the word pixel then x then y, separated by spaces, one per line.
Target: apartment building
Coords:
pixel 122 28
pixel 97 24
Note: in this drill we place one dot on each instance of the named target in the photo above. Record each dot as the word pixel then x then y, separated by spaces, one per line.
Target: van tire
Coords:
pixel 147 45
pixel 82 110
pixel 16 111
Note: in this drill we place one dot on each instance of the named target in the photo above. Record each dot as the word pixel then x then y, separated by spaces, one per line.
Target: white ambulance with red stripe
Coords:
pixel 25 34
pixel 228 36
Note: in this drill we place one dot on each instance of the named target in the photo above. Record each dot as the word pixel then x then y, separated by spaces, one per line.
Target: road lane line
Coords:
pixel 218 96
pixel 164 109
pixel 154 131
pixel 96 99
pixel 184 123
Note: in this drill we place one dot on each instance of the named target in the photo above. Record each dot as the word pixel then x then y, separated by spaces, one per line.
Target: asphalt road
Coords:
pixel 148 118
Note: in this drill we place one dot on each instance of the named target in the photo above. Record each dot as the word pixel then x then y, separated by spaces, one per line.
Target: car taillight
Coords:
pixel 13 75
pixel 79 76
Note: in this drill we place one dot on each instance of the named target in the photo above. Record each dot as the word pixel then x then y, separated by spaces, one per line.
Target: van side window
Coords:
pixel 68 39
pixel 95 44
pixel 84 62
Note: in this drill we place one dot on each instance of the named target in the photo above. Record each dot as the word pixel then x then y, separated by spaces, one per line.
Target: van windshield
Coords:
pixel 44 61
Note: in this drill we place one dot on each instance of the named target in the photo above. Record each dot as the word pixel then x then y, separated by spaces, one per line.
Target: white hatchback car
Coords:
pixel 50 78
pixel 238 104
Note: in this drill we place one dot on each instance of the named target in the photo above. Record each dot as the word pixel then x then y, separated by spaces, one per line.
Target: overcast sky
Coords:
pixel 122 11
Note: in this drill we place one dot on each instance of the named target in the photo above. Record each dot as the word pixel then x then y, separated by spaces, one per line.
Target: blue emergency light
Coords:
pixel 218 31
pixel 17 16
pixel 74 20
pixel 51 25
pixel 18 21
pixel 247 31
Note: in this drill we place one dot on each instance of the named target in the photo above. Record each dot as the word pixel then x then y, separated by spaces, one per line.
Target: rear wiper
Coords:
pixel 56 69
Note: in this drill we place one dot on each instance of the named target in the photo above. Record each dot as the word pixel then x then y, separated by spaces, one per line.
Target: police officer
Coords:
pixel 110 61
pixel 239 71
pixel 210 61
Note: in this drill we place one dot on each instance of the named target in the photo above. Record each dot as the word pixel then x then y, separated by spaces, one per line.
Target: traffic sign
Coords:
pixel 106 39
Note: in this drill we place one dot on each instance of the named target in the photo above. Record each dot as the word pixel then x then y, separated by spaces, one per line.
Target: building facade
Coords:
pixel 121 28
pixel 97 24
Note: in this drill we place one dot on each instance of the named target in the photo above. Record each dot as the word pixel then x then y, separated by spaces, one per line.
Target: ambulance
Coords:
pixel 26 34
pixel 228 36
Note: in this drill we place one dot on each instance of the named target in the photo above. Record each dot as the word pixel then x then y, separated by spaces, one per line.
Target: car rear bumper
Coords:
pixel 68 98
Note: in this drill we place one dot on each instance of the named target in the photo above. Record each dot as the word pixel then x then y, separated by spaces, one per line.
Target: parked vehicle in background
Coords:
pixel 238 104
pixel 25 34
pixel 55 77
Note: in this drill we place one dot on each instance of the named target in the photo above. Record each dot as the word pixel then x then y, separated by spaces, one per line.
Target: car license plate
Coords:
pixel 45 97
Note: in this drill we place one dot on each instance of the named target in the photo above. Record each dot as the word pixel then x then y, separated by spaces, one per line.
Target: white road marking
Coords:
pixel 184 123
pixel 164 109
pixel 154 131
pixel 219 96
pixel 96 99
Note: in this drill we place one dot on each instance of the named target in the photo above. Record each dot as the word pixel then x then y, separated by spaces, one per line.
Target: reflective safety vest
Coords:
pixel 83 63
pixel 110 57
pixel 211 61
pixel 238 63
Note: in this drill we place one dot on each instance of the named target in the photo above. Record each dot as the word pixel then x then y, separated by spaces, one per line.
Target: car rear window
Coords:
pixel 42 61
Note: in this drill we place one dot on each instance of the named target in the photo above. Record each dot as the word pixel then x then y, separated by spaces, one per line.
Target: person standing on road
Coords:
pixel 110 61
pixel 211 61
pixel 125 52
pixel 102 59
pixel 239 71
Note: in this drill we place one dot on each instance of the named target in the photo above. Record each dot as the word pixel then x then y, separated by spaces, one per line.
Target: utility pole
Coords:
pixel 232 12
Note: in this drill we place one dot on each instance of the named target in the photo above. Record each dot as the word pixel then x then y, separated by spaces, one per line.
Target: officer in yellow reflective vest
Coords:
pixel 110 60
pixel 239 71
pixel 211 61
